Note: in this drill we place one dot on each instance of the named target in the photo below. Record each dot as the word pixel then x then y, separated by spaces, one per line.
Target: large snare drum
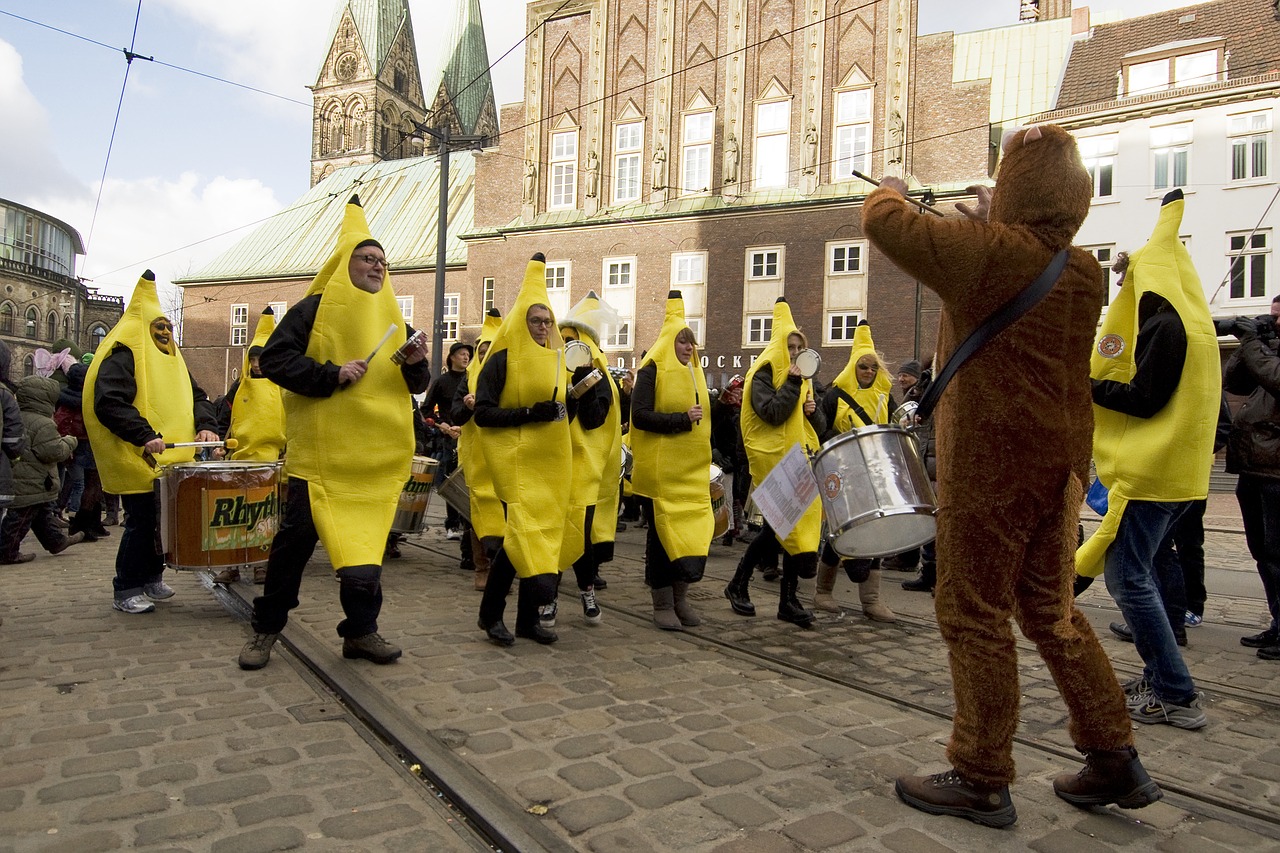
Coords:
pixel 720 507
pixel 411 512
pixel 875 492
pixel 218 514
pixel 456 494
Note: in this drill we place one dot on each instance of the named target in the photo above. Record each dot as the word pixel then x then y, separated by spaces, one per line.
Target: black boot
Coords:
pixel 738 589
pixel 925 581
pixel 789 607
pixel 1109 776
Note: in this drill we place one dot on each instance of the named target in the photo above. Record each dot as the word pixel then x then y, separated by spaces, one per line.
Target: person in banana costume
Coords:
pixel 671 439
pixel 778 413
pixel 859 397
pixel 486 509
pixel 257 420
pixel 143 397
pixel 523 409
pixel 1013 430
pixel 341 495
pixel 1156 392
pixel 597 454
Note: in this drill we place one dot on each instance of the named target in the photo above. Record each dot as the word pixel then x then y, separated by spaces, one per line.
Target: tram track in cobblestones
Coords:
pixel 479 815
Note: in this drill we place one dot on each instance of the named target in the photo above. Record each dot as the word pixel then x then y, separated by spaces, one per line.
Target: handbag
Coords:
pixel 1096 497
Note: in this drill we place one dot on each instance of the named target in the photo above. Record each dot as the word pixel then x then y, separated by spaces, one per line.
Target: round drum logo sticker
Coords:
pixel 1110 346
pixel 831 485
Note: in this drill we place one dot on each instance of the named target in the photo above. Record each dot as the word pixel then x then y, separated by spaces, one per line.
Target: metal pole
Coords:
pixel 442 232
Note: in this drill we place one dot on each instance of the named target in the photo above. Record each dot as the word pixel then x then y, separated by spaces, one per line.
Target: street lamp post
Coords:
pixel 445 141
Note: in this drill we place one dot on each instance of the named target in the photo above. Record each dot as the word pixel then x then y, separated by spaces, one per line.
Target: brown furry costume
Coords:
pixel 1014 431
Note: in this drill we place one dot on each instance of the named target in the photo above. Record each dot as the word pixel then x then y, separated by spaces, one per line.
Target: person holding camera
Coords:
pixel 1253 452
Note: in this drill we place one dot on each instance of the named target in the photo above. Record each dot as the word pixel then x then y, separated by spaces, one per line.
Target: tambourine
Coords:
pixel 810 362
pixel 586 383
pixel 576 354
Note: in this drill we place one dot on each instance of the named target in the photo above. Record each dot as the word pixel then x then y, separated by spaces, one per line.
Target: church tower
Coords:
pixel 464 97
pixel 368 95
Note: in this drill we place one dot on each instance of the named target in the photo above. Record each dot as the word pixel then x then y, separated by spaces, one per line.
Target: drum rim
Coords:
pixel 809 352
pixel 215 464
pixel 575 345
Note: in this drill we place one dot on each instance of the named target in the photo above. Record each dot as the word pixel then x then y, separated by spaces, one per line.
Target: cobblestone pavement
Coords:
pixel 740 735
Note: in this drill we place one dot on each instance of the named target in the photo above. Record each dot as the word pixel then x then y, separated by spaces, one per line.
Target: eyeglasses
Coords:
pixel 372 260
pixel 539 321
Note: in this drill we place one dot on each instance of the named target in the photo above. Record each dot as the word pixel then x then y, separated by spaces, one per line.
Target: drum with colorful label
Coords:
pixel 411 512
pixel 720 506
pixel 218 514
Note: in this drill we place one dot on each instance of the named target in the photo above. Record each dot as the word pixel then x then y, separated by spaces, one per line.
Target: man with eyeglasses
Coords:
pixel 320 355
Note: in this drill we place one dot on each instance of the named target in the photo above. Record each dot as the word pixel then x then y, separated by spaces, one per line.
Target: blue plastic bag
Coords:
pixel 1097 497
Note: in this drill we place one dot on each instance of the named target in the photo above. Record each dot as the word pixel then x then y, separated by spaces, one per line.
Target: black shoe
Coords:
pixel 622 525
pixel 538 633
pixel 1123 631
pixel 793 612
pixel 727 539
pixel 1269 637
pixel 771 574
pixel 1269 652
pixel 498 633
pixel 600 583
pixel 918 584
pixel 739 600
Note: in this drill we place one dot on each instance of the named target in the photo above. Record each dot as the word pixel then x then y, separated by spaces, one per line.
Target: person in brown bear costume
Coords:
pixel 1014 433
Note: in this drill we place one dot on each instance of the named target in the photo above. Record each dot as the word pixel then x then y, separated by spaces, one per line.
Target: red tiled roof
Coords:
pixel 1250 27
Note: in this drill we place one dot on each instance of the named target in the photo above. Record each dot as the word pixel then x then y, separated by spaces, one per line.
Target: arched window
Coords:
pixel 29 365
pixel 51 326
pixel 6 319
pixel 355 122
pixel 401 79
pixel 66 327
pixel 33 322
pixel 96 336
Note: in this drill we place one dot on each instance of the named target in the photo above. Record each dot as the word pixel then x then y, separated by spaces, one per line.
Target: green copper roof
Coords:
pixel 464 68
pixel 1023 62
pixel 377 22
pixel 400 198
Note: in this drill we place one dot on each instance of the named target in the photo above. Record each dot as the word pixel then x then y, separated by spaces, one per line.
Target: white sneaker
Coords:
pixel 133 604
pixel 158 591
pixel 547 615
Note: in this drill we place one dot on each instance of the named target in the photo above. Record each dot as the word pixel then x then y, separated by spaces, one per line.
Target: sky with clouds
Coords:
pixel 195 162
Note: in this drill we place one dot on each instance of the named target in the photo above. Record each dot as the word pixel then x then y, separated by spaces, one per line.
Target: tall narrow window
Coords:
pixel 558 281
pixel 628 147
pixel 1249 257
pixel 696 153
pixel 406 308
pixel 852 134
pixel 488 294
pixel 450 316
pixel 239 325
pixel 1250 139
pixel 618 289
pixel 1105 256
pixel 1099 154
pixel 689 276
pixel 772 154
pixel 1170 152
pixel 564 170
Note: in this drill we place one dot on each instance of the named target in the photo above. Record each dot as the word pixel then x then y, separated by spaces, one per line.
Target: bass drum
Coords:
pixel 218 514
pixel 415 497
pixel 876 494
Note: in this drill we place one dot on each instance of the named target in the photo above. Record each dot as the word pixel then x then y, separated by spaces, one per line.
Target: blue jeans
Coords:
pixel 1259 499
pixel 1134 559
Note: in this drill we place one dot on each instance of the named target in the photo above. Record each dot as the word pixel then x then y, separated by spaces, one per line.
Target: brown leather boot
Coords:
pixel 822 588
pixel 869 595
pixel 951 794
pixel 1109 776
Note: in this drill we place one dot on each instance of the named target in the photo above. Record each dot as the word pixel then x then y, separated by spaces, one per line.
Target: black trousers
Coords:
pixel 586 567
pixel 360 587
pixel 139 560
pixel 534 592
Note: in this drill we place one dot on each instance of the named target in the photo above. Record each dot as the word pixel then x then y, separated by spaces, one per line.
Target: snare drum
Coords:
pixel 218 514
pixel 875 492
pixel 810 362
pixel 411 511
pixel 456 494
pixel 720 507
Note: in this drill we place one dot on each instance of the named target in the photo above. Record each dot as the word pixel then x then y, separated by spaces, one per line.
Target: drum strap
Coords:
pixel 853 404
pixel 1003 317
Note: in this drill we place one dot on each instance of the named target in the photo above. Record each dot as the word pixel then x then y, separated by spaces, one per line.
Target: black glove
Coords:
pixel 545 411
pixel 580 373
pixel 1244 327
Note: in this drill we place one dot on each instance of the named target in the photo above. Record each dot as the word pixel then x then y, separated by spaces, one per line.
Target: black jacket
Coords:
pixel 115 390
pixel 774 406
pixel 1160 353
pixel 1253 446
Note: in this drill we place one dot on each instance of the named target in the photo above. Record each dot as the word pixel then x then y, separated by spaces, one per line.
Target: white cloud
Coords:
pixel 28 164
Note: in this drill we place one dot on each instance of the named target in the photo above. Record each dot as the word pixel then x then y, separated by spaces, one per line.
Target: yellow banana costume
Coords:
pixel 597 453
pixel 257 412
pixel 874 400
pixel 532 463
pixel 674 469
pixel 486 509
pixel 163 398
pixel 353 494
pixel 1167 457
pixel 766 444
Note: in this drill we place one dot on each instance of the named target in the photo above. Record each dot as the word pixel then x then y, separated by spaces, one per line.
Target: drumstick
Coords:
pixel 694 378
pixel 390 331
pixel 229 444
pixel 918 204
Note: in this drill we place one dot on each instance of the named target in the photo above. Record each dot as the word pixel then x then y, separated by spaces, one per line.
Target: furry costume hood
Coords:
pixel 1042 185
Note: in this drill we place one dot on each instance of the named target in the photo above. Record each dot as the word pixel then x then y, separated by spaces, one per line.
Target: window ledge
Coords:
pixel 1099 201
pixel 1157 194
pixel 1249 182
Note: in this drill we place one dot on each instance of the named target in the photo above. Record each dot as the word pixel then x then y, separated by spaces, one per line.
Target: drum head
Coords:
pixel 577 354
pixel 809 361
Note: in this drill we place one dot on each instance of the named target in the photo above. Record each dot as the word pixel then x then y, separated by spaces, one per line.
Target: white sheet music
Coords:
pixel 787 492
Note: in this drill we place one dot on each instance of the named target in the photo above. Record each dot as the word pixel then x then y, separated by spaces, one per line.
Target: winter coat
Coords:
pixel 13 442
pixel 36 473
pixel 1253 446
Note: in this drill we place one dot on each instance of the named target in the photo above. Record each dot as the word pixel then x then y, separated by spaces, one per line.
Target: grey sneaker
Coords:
pixel 257 651
pixel 1156 710
pixel 590 609
pixel 370 647
pixel 547 615
pixel 1137 691
pixel 133 604
pixel 158 591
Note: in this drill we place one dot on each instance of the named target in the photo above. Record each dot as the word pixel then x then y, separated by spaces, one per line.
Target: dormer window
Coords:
pixel 1172 65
